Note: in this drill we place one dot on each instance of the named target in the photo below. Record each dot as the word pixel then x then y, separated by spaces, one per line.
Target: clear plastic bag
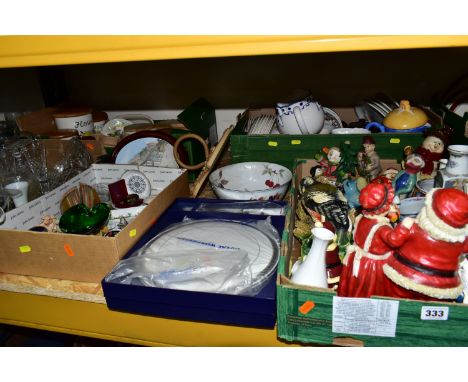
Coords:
pixel 207 270
pixel 192 255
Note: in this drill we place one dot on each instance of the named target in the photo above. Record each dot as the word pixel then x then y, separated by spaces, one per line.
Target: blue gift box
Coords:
pixel 252 311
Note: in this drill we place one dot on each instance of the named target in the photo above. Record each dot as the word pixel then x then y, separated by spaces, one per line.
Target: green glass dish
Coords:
pixel 82 220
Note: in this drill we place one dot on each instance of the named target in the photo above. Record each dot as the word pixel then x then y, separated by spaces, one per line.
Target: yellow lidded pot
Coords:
pixel 405 117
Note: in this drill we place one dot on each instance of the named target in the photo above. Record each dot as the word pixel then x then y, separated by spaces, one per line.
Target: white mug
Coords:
pixel 302 117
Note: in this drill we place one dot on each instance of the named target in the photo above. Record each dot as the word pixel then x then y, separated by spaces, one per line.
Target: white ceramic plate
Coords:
pixel 347 130
pixel 137 183
pixel 263 252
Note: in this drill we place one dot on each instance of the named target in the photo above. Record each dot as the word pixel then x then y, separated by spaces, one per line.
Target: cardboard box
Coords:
pixel 78 257
pixel 255 311
pixel 296 322
pixel 284 149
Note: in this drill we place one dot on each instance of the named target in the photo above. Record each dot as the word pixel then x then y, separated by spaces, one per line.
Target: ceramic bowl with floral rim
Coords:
pixel 251 181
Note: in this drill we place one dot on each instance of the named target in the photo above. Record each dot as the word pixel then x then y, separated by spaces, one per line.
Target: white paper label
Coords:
pixel 438 313
pixel 365 316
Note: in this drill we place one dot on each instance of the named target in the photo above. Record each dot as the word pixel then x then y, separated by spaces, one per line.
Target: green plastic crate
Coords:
pixel 284 149
pixel 315 325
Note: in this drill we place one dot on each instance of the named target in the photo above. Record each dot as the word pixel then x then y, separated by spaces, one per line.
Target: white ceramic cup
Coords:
pixel 301 117
pixel 18 192
pixel 80 121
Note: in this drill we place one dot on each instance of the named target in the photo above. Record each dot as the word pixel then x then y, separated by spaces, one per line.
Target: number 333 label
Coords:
pixel 438 313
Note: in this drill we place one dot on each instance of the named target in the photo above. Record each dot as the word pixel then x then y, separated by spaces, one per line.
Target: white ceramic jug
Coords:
pixel 313 271
pixel 302 117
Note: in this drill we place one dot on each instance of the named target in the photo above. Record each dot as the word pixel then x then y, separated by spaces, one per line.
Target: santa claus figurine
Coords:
pixel 426 266
pixel 374 240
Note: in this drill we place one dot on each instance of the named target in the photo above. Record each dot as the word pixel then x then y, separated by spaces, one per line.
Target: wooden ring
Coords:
pixel 176 153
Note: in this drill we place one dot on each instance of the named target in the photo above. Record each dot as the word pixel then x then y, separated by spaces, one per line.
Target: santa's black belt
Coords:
pixel 423 268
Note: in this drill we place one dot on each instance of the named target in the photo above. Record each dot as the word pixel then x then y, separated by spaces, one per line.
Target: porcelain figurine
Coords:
pixel 431 151
pixel 50 222
pixel 330 162
pixel 374 242
pixel 352 189
pixel 316 172
pixel 368 159
pixel 405 180
pixel 426 265
pixel 328 201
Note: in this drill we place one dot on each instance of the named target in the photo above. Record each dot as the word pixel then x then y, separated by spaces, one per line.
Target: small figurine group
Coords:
pixel 418 258
pixel 415 258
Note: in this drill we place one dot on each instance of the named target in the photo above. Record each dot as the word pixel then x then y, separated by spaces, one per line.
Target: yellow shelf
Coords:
pixel 23 51
pixel 96 320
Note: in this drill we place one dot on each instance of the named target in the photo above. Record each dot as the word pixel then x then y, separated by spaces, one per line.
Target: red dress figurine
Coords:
pixel 374 240
pixel 426 265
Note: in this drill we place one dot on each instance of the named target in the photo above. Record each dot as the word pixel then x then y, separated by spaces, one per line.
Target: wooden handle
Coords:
pixel 176 153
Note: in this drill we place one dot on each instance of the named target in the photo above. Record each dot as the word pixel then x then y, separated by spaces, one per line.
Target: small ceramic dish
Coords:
pixel 410 207
pixel 251 181
pixel 425 185
pixel 346 130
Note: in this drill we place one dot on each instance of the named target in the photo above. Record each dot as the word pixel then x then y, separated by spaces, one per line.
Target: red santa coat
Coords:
pixel 374 240
pixel 425 267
